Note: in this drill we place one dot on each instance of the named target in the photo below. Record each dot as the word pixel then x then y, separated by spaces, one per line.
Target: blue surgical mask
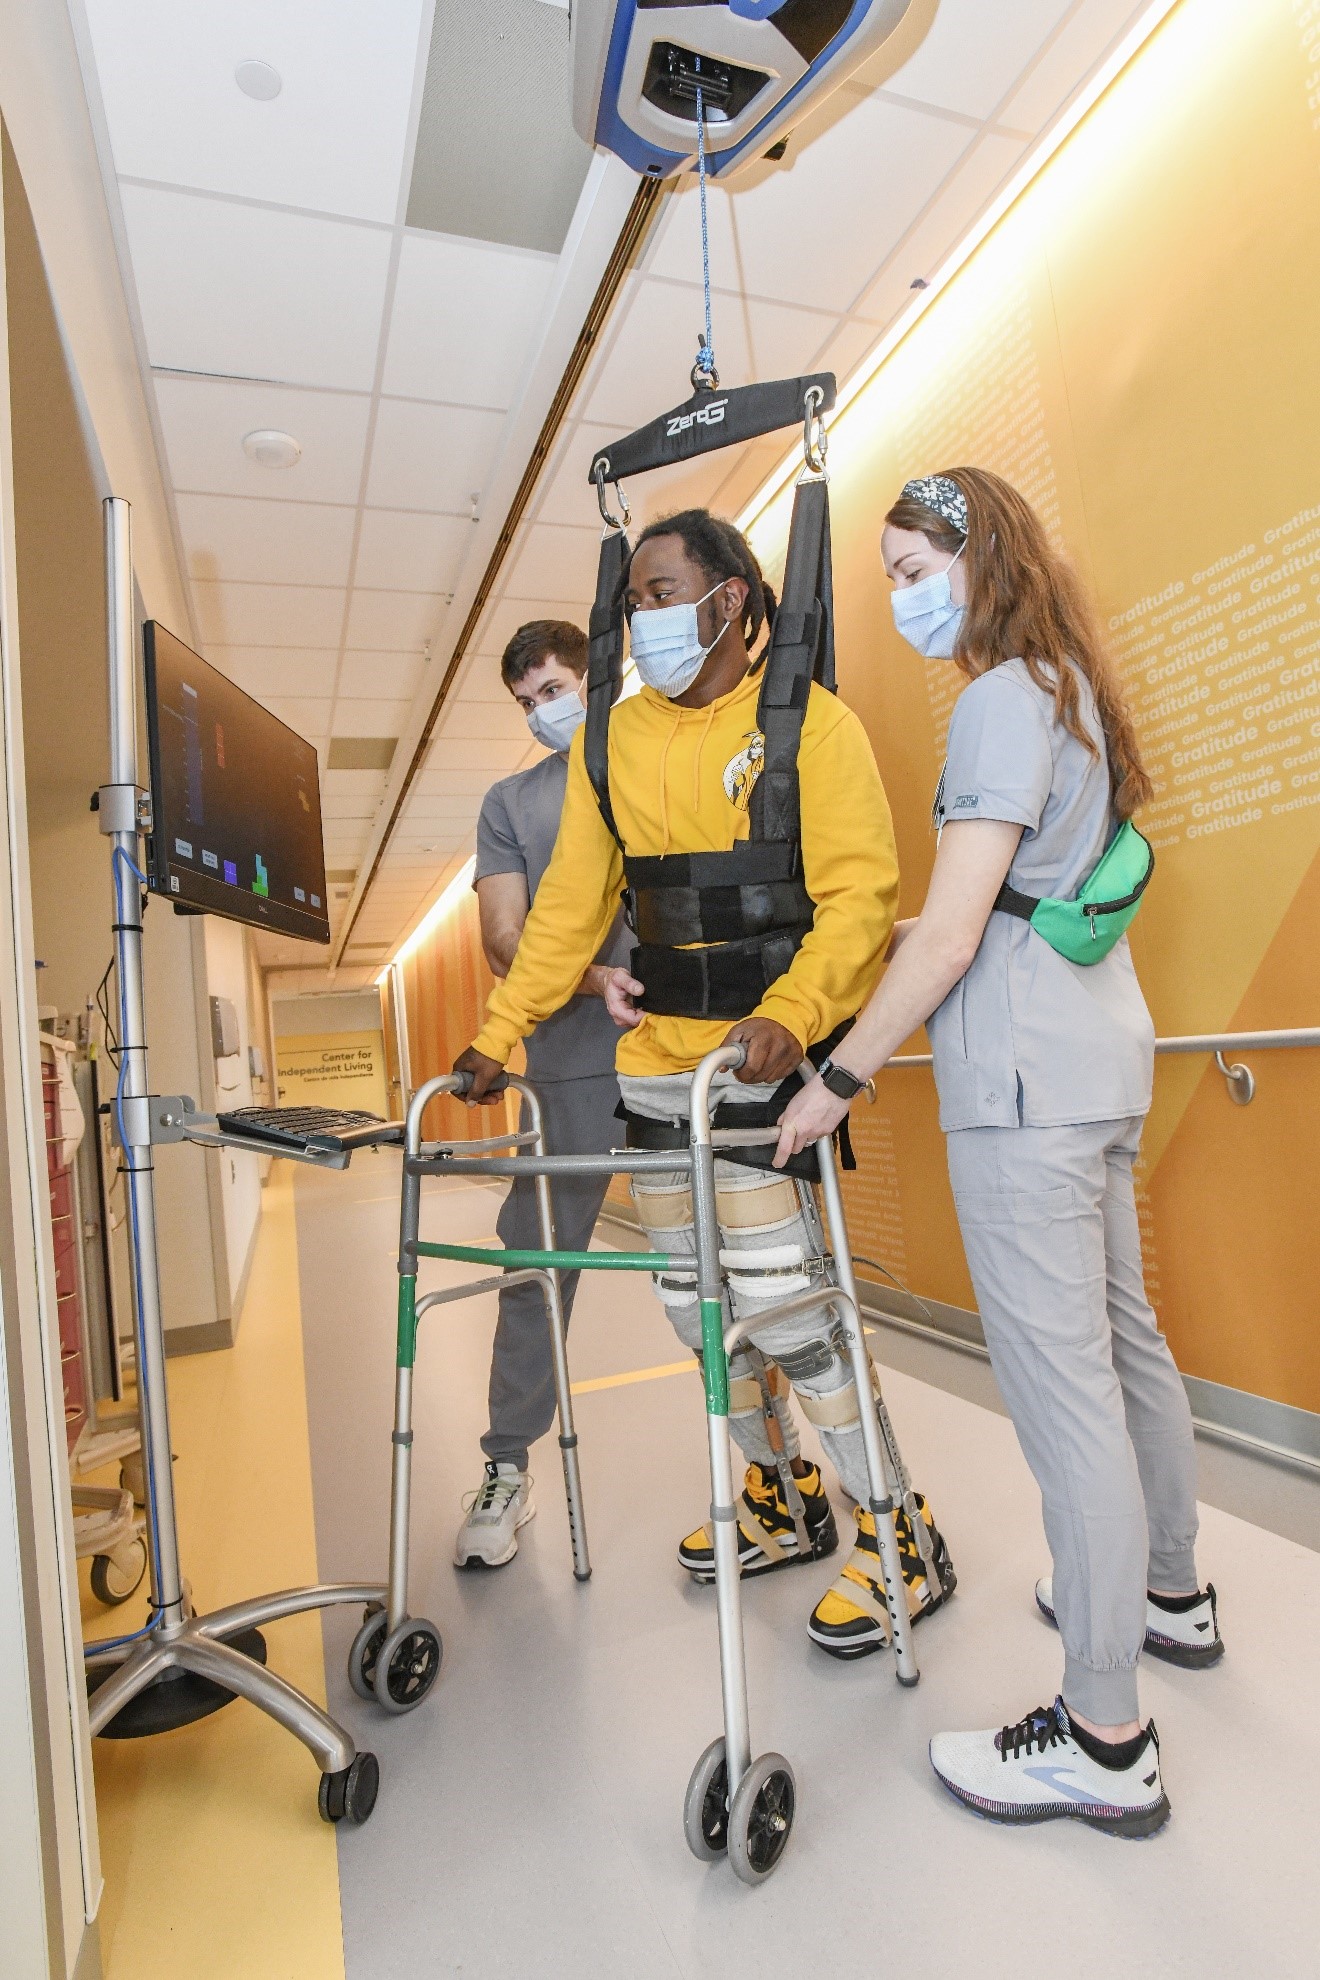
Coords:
pixel 926 615
pixel 667 648
pixel 555 723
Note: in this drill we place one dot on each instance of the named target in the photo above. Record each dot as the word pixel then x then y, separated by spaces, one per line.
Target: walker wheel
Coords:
pixel 407 1665
pixel 350 1796
pixel 706 1805
pixel 364 1651
pixel 761 1818
pixel 118 1574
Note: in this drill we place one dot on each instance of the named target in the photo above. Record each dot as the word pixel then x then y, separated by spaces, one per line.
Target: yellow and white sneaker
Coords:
pixel 767 1536
pixel 851 1618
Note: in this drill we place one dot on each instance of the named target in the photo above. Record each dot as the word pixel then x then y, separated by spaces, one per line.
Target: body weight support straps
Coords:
pixel 801 650
pixel 605 666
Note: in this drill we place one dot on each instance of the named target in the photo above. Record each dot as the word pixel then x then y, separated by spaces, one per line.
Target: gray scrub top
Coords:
pixel 516 833
pixel 1027 1038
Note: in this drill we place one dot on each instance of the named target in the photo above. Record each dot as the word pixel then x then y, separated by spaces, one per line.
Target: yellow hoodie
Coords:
pixel 680 781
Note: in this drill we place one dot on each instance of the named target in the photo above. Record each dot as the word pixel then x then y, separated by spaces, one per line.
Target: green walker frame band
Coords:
pixel 715 1362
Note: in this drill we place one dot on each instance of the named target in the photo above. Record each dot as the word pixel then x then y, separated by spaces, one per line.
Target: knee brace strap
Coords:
pixel 838 1409
pixel 757 1207
pixel 663 1209
pixel 744 1395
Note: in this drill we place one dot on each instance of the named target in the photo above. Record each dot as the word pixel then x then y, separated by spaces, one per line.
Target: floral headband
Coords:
pixel 942 494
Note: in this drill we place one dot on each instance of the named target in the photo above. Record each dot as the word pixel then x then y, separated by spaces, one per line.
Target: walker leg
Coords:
pixel 568 1443
pixel 774 1431
pixel 723 1516
pixel 401 1465
pixel 885 1491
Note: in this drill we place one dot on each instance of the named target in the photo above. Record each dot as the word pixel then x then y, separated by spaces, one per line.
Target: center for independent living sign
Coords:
pixel 339 1069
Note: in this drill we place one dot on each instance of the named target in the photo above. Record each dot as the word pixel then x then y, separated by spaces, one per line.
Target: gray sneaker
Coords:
pixel 1189 1637
pixel 501 1504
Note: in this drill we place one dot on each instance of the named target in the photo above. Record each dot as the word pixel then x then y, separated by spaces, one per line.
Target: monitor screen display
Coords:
pixel 236 799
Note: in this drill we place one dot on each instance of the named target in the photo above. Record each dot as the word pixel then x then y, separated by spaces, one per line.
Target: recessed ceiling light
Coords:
pixel 259 80
pixel 270 448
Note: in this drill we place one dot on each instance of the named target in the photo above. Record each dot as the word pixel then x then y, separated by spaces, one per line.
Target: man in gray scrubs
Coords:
pixel 570 1061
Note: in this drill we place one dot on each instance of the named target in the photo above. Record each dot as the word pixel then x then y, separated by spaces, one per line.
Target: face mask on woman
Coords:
pixel 926 615
pixel 555 723
pixel 667 648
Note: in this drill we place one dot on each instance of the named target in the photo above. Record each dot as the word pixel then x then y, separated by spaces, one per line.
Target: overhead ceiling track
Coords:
pixel 626 249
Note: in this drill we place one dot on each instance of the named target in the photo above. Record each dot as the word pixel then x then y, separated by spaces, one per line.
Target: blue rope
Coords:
pixel 706 351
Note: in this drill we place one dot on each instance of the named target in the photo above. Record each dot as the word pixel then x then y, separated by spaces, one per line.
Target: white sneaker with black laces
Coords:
pixel 1036 1771
pixel 501 1504
pixel 1189 1637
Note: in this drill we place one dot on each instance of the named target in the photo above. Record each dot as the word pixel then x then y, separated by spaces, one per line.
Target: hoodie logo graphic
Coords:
pixel 741 771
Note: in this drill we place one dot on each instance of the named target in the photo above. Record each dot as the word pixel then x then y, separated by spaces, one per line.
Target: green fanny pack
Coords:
pixel 1085 930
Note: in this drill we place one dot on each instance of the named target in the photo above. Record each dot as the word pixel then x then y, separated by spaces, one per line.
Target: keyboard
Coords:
pixel 326 1129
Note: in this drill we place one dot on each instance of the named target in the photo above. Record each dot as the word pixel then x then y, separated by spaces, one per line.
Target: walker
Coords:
pixel 734 1805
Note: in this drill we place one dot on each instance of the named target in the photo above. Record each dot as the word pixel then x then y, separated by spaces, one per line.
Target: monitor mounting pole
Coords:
pixel 181 1666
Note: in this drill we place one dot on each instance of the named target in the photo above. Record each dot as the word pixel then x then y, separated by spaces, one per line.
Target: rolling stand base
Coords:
pixel 176 1697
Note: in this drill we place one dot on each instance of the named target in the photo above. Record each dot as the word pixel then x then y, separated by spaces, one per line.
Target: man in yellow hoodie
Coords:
pixel 684 756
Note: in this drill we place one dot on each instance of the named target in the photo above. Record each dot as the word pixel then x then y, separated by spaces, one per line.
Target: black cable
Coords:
pixel 893 1277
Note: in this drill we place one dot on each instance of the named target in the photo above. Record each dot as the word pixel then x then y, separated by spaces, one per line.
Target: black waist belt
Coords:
pixel 751 890
pixel 727 980
pixel 646 1133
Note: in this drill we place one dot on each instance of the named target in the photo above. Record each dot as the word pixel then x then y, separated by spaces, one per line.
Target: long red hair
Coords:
pixel 1025 601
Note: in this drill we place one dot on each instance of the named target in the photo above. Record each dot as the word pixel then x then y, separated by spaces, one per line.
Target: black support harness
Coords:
pixel 715 929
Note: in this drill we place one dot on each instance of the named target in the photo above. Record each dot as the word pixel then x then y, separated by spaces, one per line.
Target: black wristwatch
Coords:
pixel 843 1084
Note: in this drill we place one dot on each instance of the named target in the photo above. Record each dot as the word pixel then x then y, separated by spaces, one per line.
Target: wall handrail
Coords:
pixel 1241 1081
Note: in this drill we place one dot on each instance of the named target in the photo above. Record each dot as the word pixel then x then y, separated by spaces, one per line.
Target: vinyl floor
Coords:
pixel 529 1818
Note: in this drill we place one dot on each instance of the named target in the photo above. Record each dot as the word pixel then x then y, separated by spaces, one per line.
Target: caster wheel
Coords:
pixel 706 1805
pixel 407 1665
pixel 351 1795
pixel 761 1818
pixel 118 1575
pixel 363 1652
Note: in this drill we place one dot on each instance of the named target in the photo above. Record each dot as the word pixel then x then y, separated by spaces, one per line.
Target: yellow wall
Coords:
pixel 1134 346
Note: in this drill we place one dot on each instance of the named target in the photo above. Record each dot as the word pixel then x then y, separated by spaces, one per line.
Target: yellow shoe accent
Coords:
pixel 852 1617
pixel 767 1537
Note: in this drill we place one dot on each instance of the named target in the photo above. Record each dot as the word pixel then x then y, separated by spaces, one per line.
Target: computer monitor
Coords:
pixel 236 799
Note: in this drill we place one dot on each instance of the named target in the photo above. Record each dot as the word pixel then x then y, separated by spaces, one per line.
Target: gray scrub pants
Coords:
pixel 579 1119
pixel 1049 1226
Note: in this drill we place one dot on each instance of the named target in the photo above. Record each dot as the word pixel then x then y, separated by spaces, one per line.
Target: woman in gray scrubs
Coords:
pixel 1044 1073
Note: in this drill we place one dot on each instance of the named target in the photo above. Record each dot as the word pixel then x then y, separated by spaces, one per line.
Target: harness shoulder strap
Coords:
pixel 605 667
pixel 801 650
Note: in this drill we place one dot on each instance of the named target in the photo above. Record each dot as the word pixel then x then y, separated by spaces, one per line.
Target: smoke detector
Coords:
pixel 259 81
pixel 270 448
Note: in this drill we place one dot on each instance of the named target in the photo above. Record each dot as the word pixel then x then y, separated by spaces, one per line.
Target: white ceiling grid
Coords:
pixel 810 263
pixel 278 286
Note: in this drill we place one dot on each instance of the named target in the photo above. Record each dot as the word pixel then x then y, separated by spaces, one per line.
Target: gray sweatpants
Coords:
pixel 1049 1225
pixel 579 1119
pixel 765 1220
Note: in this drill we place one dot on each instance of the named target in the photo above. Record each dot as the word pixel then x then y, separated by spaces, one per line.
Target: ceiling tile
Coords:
pixel 1079 45
pixel 566 496
pixel 505 617
pixel 370 718
pixel 496 758
pixel 269 614
pixel 268 295
pixel 485 721
pixel 466 317
pixel 397 676
pixel 967 191
pixel 281 542
pixel 460 807
pixel 307 715
pixel 432 457
pixel 204 421
pixel 401 551
pixel 332 139
pixel 263 670
pixel 973 54
pixel 390 620
pixel 469 781
pixel 554 562
pixel 647 365
pixel 336 804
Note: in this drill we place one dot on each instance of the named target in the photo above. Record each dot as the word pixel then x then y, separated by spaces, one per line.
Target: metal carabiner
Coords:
pixel 610 521
pixel 815 440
